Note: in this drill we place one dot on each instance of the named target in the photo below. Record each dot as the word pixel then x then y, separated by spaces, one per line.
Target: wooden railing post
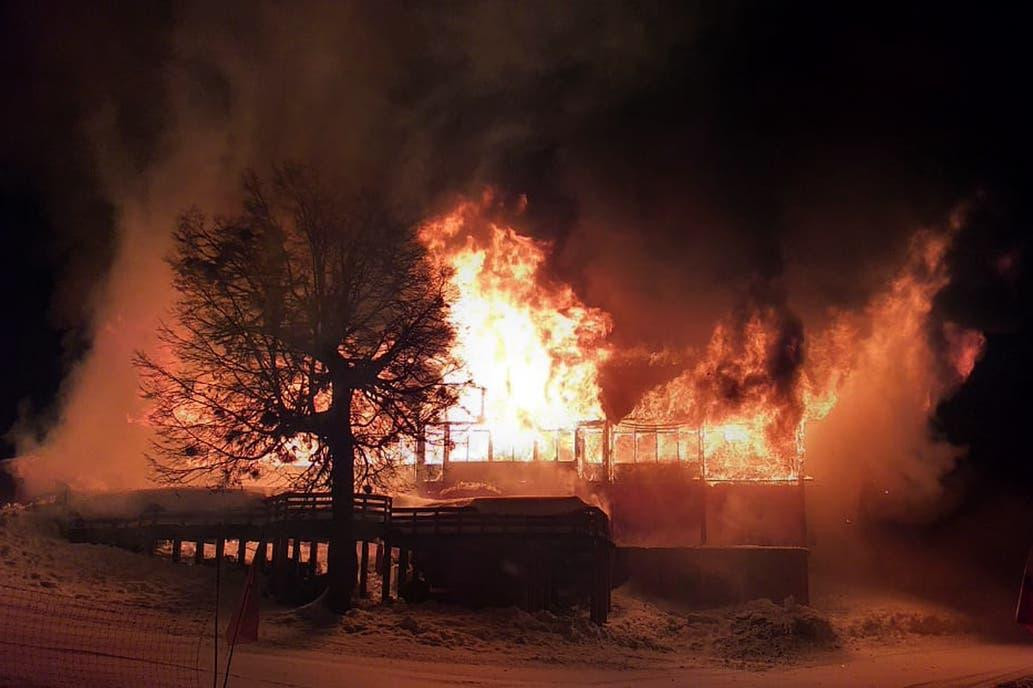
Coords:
pixel 403 569
pixel 363 569
pixel 385 573
pixel 313 558
pixel 260 556
pixel 177 549
pixel 446 449
pixel 279 565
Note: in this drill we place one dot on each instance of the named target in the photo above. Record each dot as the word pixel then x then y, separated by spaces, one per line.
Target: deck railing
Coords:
pixel 288 506
pixel 587 522
pixel 298 507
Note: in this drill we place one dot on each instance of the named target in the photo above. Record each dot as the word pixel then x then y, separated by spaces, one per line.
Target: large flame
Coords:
pixel 745 396
pixel 530 348
pixel 532 351
pixel 752 406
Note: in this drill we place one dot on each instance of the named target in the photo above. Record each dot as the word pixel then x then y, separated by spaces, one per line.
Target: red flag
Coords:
pixel 1024 612
pixel 243 626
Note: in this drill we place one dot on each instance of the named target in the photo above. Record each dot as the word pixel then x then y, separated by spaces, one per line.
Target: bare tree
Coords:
pixel 312 325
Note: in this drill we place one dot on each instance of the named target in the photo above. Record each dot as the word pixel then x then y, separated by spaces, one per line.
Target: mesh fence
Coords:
pixel 50 640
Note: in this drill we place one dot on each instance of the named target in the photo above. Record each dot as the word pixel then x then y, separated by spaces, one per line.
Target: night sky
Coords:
pixel 805 141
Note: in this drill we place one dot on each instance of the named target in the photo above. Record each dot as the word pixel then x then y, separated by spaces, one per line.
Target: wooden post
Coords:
pixel 607 469
pixel 611 555
pixel 220 550
pixel 704 491
pixel 199 552
pixel 279 566
pixel 803 514
pixel 242 552
pixel 260 556
pixel 313 558
pixel 446 450
pixel 403 569
pixel 363 568
pixel 177 549
pixel 295 555
pixel 421 457
pixel 385 572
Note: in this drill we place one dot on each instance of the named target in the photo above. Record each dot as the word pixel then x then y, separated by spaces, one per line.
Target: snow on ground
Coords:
pixel 34 555
pixel 641 635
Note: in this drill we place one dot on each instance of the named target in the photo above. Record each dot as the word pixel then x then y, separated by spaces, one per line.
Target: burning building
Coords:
pixel 709 461
pixel 703 474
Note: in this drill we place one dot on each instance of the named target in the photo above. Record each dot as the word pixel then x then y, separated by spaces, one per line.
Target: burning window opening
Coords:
pixel 715 454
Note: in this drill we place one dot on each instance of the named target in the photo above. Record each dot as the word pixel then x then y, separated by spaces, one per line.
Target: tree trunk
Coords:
pixel 342 564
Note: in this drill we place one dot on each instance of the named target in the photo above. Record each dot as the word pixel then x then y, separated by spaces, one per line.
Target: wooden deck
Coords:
pixel 442 544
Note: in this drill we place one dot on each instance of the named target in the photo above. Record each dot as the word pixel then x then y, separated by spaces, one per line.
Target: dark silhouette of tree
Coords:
pixel 314 324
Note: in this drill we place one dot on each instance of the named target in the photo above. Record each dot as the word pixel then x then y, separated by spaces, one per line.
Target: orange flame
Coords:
pixel 532 352
pixel 531 348
pixel 753 426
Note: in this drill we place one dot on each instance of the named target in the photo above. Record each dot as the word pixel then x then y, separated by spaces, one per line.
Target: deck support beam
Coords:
pixel 363 569
pixel 313 558
pixel 385 572
pixel 295 557
pixel 403 570
pixel 279 566
pixel 260 556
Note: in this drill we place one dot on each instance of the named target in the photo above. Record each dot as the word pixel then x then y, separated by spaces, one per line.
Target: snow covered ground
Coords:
pixel 846 638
